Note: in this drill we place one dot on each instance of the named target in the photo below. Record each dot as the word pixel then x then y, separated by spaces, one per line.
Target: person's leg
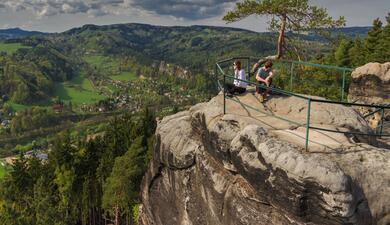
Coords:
pixel 229 88
pixel 268 90
pixel 260 89
pixel 240 90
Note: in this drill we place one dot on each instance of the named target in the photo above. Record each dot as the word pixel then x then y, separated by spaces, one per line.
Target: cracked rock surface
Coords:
pixel 239 168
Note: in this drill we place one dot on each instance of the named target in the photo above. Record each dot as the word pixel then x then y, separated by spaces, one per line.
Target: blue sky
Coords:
pixel 61 15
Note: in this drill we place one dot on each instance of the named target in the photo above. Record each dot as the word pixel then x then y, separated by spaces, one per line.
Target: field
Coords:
pixel 10 48
pixel 79 90
pixel 125 76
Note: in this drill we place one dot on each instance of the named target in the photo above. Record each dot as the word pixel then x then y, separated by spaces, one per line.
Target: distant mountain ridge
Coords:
pixel 352 31
pixel 13 33
pixel 20 33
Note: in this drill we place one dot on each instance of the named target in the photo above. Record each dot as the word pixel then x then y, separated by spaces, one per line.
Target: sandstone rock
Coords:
pixel 237 168
pixel 370 84
pixel 165 68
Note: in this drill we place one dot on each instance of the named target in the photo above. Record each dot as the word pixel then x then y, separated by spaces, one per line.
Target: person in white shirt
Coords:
pixel 238 86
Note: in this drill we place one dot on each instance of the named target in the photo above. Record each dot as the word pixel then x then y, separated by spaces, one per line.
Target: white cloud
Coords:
pixel 180 9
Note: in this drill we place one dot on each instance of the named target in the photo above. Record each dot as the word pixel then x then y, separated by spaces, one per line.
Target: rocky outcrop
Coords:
pixel 248 166
pixel 370 84
pixel 166 68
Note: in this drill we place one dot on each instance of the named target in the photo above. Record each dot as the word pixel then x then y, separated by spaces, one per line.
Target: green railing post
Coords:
pixel 308 123
pixel 217 77
pixel 343 86
pixel 224 94
pixel 382 121
pixel 248 67
pixel 291 75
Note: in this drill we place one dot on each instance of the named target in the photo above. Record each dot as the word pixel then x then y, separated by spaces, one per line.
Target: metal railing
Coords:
pixel 291 69
pixel 222 76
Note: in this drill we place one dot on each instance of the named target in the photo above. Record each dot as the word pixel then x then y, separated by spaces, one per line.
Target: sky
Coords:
pixel 61 15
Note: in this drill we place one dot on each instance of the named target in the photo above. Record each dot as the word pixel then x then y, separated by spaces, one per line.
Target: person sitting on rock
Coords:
pixel 264 76
pixel 238 86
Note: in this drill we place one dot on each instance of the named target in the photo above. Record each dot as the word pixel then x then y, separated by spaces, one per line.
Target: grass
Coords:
pixel 10 48
pixel 3 169
pixel 125 76
pixel 109 66
pixel 95 60
pixel 104 64
pixel 18 107
pixel 79 90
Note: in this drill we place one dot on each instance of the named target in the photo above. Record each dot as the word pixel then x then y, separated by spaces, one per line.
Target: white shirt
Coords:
pixel 240 75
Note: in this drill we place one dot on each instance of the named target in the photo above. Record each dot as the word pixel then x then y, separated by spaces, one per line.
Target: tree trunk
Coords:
pixel 281 37
pixel 280 46
pixel 116 215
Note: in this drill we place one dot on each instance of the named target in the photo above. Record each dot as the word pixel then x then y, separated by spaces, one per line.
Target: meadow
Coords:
pixel 79 90
pixel 125 76
pixel 105 65
pixel 17 107
pixel 10 48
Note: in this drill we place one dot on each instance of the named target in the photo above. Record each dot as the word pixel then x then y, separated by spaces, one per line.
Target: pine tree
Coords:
pixel 285 15
pixel 341 54
pixel 122 186
pixel 357 53
pixel 385 41
pixel 373 40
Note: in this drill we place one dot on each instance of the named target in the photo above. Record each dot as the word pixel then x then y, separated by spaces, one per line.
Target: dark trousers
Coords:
pixel 232 89
pixel 262 90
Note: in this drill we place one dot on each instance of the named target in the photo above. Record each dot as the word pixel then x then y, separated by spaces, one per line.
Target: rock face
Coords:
pixel 245 167
pixel 370 84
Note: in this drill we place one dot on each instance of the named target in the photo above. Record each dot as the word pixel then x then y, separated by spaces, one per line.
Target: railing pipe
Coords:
pixel 308 124
pixel 350 104
pixel 224 95
pixel 220 69
pixel 343 86
pixel 371 113
pixel 291 76
pixel 317 65
pixel 349 132
pixel 382 122
pixel 248 67
pixel 223 61
pixel 270 88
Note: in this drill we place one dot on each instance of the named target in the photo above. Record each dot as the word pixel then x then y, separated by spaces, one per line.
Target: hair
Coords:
pixel 238 64
pixel 268 64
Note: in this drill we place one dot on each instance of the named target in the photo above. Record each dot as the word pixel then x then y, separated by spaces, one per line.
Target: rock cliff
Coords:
pixel 249 167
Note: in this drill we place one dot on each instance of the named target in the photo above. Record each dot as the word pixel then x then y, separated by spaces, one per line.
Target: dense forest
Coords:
pixel 82 182
pixel 29 74
pixel 375 47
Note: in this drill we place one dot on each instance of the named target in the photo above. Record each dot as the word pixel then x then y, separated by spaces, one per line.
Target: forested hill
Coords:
pixel 187 46
pixel 191 46
pixel 352 32
pixel 13 33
